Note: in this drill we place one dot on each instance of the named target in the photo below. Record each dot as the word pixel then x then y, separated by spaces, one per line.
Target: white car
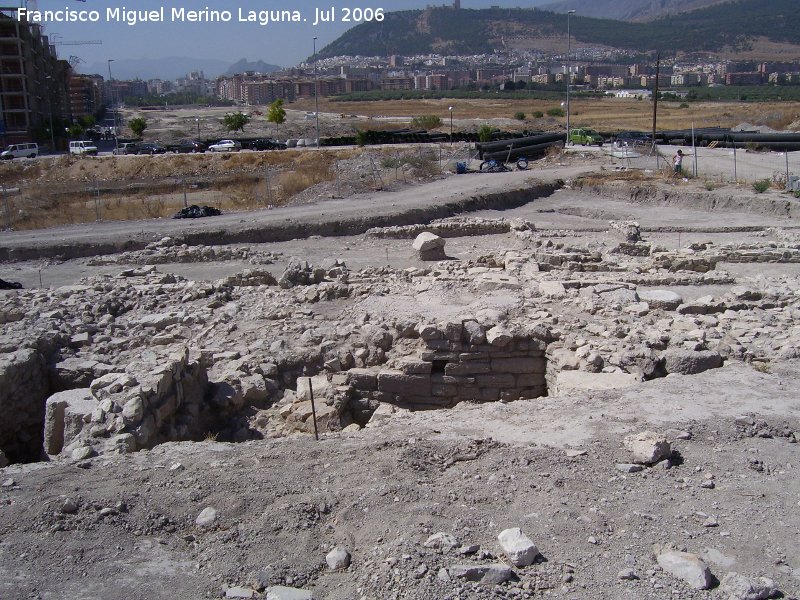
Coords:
pixel 225 146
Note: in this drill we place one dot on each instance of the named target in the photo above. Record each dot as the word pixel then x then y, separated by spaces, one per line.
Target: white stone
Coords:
pixel 280 592
pixel 207 517
pixel 427 241
pixel 485 574
pixel 442 541
pixel 748 588
pixel 648 447
pixel 499 336
pixel 521 551
pixel 687 567
pixel 552 289
pixel 338 559
pixel 663 299
pixel 239 592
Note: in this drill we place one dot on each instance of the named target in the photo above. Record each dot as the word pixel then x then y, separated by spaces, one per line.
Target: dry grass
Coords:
pixel 612 114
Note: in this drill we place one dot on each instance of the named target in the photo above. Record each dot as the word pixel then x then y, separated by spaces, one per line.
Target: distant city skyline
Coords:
pixel 280 43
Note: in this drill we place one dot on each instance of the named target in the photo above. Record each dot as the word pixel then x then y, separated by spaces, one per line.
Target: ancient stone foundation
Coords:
pixel 459 362
pixel 23 390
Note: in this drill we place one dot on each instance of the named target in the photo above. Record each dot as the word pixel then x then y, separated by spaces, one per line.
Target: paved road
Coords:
pixel 455 194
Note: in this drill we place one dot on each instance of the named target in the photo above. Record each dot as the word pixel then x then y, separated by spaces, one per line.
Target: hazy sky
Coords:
pixel 283 44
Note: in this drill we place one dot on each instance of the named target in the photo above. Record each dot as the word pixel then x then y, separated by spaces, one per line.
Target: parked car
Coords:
pixel 187 147
pixel 29 150
pixel 632 138
pixel 266 144
pixel 82 147
pixel 585 136
pixel 151 149
pixel 126 148
pixel 225 146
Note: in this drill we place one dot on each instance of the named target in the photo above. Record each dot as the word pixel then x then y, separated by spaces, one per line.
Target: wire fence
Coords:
pixel 719 165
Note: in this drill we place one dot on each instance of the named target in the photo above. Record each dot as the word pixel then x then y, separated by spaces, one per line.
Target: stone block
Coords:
pixel 396 382
pixel 318 384
pixel 472 367
pixel 498 380
pixel 518 365
pixel 663 299
pixel 518 547
pixel 688 362
pixel 66 415
pixel 648 447
pixel 414 367
pixel 552 289
pixel 363 379
pixel 566 382
pixel 499 336
pixel 444 390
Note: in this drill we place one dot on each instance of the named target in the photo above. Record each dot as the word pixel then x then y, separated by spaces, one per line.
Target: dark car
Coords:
pixel 632 138
pixel 151 149
pixel 266 144
pixel 187 147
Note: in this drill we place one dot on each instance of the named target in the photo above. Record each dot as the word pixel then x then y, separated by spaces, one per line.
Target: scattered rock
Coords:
pixel 648 447
pixel 521 551
pixel 740 587
pixel 687 567
pixel 288 593
pixel 442 541
pixel 338 559
pixel 207 517
pixel 485 574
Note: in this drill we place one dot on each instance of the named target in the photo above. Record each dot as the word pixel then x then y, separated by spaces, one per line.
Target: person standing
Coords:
pixel 677 161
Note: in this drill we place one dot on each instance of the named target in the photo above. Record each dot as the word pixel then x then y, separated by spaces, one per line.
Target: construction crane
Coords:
pixel 79 43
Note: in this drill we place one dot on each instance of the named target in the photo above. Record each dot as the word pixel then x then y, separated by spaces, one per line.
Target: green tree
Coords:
pixel 276 114
pixel 426 122
pixel 485 133
pixel 87 121
pixel 137 126
pixel 75 131
pixel 235 121
pixel 519 116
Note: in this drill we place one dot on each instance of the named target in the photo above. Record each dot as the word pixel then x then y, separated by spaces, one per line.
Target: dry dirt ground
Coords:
pixel 345 118
pixel 125 526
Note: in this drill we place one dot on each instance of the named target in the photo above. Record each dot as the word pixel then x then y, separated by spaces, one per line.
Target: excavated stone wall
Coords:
pixel 23 390
pixel 461 361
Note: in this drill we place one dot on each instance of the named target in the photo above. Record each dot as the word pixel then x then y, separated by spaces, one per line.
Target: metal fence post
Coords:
pixel 8 208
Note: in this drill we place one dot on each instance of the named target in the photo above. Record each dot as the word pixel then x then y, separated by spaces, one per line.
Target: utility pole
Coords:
pixel 316 91
pixel 569 75
pixel 655 96
pixel 111 94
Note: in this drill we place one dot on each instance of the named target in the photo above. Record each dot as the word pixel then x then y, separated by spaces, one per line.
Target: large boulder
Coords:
pixel 739 587
pixel 429 246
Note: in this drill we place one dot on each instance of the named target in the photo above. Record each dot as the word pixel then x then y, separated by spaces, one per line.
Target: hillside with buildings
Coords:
pixel 450 30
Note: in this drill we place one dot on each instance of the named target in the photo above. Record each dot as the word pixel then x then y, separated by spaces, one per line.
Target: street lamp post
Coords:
pixel 316 91
pixel 111 94
pixel 450 108
pixel 569 75
pixel 197 120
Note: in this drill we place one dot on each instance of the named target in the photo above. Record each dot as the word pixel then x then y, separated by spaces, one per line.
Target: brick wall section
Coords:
pixel 459 362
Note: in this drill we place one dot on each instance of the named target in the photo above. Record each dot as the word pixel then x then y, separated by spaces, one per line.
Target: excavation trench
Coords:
pixel 77 408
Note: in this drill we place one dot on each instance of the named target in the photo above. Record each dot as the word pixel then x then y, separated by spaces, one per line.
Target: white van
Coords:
pixel 82 147
pixel 20 151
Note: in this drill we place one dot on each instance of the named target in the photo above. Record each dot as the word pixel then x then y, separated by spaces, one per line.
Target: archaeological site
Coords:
pixel 575 381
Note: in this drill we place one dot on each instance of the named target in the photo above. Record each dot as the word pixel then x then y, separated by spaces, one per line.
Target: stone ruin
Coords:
pixel 126 362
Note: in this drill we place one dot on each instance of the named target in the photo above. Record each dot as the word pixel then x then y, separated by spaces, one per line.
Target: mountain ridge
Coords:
pixel 443 30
